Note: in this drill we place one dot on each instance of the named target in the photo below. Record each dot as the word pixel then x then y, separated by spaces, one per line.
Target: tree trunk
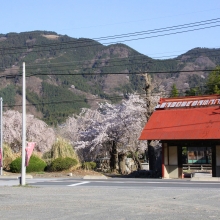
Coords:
pixel 113 157
pixel 151 155
pixel 136 160
pixel 151 151
pixel 122 167
pixel 148 88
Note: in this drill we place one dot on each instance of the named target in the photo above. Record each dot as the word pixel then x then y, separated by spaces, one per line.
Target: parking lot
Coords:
pixel 154 200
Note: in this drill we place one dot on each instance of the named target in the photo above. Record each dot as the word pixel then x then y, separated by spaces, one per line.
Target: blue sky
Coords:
pixel 100 18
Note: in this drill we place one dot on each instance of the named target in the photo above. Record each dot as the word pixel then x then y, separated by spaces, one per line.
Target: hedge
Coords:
pixel 35 165
pixel 61 164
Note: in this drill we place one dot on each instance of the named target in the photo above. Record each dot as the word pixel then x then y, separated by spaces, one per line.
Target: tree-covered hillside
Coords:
pixel 65 74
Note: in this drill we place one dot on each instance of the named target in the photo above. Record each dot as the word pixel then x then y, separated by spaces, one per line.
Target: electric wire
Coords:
pixel 120 73
pixel 139 20
pixel 95 44
pixel 140 55
pixel 118 59
pixel 110 73
pixel 164 93
pixel 158 30
pixel 102 67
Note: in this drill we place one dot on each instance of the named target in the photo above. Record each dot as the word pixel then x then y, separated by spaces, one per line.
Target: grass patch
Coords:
pixel 61 149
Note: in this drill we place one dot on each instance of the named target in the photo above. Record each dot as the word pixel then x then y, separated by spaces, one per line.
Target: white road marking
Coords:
pixel 76 184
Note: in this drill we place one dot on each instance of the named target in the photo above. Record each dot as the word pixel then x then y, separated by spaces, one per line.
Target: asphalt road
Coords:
pixel 124 183
pixel 112 182
pixel 116 199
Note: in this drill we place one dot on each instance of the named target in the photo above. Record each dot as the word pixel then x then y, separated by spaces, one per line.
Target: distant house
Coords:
pixel 190 125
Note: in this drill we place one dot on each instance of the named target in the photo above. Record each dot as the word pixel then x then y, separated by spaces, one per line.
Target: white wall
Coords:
pixel 173 157
pixel 170 161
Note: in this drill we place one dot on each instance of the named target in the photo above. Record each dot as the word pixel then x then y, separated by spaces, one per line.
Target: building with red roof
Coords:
pixel 191 123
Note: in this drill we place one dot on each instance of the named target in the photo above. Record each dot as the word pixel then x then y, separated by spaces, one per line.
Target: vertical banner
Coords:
pixel 1 157
pixel 29 149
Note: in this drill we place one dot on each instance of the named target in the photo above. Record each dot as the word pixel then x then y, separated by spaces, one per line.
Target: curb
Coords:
pixel 15 177
pixel 94 177
pixel 211 179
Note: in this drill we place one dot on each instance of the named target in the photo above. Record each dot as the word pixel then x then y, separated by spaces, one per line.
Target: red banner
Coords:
pixel 29 149
pixel 1 157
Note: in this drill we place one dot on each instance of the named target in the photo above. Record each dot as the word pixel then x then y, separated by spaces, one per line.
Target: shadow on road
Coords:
pixel 135 174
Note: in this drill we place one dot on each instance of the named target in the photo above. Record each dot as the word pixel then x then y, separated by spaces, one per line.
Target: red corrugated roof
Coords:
pixel 190 123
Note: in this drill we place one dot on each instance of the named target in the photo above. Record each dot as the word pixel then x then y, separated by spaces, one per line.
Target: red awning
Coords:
pixel 197 123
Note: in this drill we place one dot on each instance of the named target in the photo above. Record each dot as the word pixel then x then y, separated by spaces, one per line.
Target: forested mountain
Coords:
pixel 65 74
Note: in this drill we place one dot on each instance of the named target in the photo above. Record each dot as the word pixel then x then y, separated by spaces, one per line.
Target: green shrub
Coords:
pixel 89 165
pixel 61 164
pixel 35 165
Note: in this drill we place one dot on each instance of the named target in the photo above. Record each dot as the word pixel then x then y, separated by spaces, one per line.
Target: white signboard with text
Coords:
pixel 193 103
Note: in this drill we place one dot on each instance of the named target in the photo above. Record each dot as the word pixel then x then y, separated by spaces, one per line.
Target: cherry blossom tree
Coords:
pixel 79 123
pixel 113 128
pixel 37 131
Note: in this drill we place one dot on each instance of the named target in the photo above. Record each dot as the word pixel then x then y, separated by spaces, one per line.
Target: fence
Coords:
pixel 204 167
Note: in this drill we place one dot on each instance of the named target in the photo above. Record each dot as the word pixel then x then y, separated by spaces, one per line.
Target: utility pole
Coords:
pixel 1 135
pixel 23 167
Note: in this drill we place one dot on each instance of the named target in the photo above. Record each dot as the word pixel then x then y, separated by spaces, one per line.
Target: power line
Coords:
pixel 111 98
pixel 117 36
pixel 158 30
pixel 118 59
pixel 177 27
pixel 138 20
pixel 122 41
pixel 119 73
pixel 110 73
pixel 129 62
pixel 100 66
pixel 162 35
pixel 127 59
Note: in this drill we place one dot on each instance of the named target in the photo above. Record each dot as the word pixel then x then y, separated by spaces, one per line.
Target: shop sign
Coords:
pixel 193 103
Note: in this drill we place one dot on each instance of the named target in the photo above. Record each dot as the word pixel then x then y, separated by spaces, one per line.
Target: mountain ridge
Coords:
pixel 62 69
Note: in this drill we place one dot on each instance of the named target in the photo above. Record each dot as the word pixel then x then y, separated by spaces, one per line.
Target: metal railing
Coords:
pixel 203 167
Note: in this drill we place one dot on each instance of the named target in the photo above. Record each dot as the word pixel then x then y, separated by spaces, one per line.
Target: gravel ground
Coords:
pixel 115 203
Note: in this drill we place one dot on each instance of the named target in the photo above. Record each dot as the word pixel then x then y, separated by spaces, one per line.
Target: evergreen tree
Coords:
pixel 193 92
pixel 174 91
pixel 213 82
pixel 216 90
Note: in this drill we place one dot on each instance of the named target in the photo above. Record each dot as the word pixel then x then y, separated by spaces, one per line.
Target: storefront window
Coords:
pixel 201 155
